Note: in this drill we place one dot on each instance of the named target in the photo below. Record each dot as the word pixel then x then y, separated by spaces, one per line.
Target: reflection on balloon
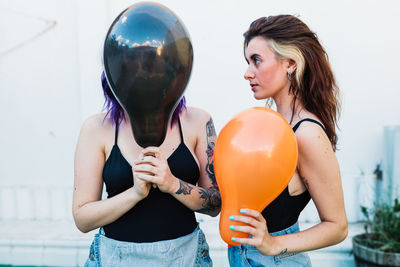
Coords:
pixel 148 59
pixel 255 157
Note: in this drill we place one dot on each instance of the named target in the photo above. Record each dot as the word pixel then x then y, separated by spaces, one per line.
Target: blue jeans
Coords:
pixel 187 251
pixel 248 256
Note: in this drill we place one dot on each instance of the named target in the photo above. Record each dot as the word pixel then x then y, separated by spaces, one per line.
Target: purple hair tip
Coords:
pixel 116 112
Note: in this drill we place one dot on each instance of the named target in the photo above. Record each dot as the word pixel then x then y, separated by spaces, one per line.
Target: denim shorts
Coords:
pixel 248 256
pixel 186 251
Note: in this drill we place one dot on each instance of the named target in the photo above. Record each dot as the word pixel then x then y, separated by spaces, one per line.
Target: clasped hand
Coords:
pixel 152 167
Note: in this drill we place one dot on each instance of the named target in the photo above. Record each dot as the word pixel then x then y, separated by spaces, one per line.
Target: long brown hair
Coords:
pixel 313 82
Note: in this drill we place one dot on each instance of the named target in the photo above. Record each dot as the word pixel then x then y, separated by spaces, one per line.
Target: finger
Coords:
pixel 152 151
pixel 147 160
pixel 243 229
pixel 254 213
pixel 139 181
pixel 145 168
pixel 247 241
pixel 145 177
pixel 244 219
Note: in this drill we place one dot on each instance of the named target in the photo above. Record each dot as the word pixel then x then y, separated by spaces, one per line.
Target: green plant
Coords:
pixel 382 226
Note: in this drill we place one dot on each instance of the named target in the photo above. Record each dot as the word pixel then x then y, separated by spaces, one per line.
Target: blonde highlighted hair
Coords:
pixel 290 52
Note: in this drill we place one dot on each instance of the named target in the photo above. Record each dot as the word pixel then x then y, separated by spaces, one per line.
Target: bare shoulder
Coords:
pixel 196 116
pixel 96 126
pixel 95 122
pixel 311 138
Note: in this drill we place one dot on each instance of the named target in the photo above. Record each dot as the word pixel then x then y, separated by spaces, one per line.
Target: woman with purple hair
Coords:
pixel 148 217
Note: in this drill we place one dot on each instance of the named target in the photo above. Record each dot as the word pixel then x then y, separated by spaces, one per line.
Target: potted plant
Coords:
pixel 380 244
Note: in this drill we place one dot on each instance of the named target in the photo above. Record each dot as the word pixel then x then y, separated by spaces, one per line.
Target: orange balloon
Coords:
pixel 254 159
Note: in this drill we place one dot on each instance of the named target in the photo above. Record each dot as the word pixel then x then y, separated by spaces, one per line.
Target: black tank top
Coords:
pixel 159 216
pixel 284 211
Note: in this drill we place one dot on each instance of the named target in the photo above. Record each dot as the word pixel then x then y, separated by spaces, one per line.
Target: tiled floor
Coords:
pixel 59 243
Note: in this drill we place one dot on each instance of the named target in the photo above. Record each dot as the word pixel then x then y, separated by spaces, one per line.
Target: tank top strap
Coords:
pixel 180 130
pixel 116 134
pixel 310 120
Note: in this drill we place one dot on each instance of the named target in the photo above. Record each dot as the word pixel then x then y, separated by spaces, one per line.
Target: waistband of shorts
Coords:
pixel 162 242
pixel 292 229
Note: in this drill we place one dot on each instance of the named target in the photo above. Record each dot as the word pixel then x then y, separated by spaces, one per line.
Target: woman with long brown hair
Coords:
pixel 288 65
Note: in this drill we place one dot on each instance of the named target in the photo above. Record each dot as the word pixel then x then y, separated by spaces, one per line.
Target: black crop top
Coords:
pixel 159 216
pixel 284 211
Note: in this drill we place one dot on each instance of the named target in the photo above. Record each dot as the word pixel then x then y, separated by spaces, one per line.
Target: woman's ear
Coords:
pixel 292 66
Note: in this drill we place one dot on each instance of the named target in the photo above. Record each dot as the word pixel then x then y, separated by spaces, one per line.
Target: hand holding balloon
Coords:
pixel 255 157
pixel 153 167
pixel 256 226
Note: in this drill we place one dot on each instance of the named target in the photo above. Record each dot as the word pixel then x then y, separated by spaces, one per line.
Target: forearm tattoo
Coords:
pixel 283 252
pixel 212 200
pixel 184 188
pixel 211 196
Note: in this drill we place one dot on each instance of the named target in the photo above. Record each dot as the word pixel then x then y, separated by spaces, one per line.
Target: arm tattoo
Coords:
pixel 212 200
pixel 211 196
pixel 211 135
pixel 283 251
pixel 184 188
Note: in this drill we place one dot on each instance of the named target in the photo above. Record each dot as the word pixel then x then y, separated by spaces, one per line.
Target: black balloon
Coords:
pixel 148 59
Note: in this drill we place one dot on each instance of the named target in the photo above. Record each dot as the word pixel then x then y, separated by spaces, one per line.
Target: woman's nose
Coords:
pixel 248 75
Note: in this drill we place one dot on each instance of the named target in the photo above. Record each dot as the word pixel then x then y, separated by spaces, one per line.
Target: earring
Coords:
pixel 289 76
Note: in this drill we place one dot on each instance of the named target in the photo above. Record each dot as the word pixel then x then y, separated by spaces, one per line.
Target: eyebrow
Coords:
pixel 252 57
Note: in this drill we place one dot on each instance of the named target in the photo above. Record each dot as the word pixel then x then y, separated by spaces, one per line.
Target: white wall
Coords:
pixel 51 84
pixel 40 91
